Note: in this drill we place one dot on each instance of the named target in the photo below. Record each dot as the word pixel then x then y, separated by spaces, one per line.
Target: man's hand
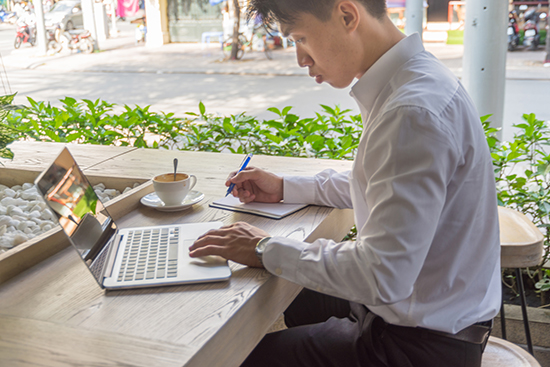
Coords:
pixel 236 242
pixel 254 184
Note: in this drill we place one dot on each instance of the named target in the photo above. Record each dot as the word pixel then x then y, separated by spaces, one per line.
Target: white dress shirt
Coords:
pixel 423 192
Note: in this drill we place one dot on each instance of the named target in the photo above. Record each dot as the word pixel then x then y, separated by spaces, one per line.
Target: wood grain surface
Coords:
pixel 211 324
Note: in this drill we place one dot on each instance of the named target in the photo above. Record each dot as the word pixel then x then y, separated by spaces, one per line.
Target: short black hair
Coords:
pixel 287 11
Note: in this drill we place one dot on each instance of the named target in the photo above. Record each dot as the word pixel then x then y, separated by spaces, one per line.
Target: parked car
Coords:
pixel 66 13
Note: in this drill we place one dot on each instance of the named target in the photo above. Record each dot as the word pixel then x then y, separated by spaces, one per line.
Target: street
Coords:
pixel 176 77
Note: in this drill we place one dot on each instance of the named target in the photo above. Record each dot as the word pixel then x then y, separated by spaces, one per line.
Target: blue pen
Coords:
pixel 243 166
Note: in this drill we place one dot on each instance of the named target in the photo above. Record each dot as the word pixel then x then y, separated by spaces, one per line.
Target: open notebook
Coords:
pixel 269 210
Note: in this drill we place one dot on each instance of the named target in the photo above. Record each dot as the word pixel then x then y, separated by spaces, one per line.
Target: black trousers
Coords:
pixel 328 331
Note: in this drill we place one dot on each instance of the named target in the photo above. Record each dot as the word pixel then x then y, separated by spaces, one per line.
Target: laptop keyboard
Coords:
pixel 150 254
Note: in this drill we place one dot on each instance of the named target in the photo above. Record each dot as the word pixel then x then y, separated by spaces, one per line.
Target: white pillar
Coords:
pixel 414 10
pixel 88 18
pixel 101 24
pixel 484 61
pixel 157 23
pixel 40 29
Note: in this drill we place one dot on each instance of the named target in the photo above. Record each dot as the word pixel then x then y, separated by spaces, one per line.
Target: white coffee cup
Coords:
pixel 170 191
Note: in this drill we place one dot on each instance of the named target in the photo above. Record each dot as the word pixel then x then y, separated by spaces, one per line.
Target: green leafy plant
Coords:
pixel 7 133
pixel 333 133
pixel 522 174
pixel 93 122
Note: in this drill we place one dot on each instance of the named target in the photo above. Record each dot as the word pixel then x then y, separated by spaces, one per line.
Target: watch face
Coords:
pixel 260 247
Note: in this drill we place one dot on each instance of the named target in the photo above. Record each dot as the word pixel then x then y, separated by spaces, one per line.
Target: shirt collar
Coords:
pixel 378 75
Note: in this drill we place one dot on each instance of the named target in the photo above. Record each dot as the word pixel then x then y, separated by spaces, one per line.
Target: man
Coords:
pixel 421 283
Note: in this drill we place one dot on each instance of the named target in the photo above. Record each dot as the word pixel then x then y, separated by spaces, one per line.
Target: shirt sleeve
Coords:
pixel 408 160
pixel 327 188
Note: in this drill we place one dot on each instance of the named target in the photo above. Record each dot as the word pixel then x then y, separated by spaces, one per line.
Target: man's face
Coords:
pixel 324 48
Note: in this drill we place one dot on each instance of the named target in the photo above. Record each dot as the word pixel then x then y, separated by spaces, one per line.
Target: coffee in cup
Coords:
pixel 170 191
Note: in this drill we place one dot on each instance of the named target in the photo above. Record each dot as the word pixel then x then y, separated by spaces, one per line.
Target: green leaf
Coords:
pixel 275 110
pixel 273 138
pixel 485 118
pixel 202 109
pixel 228 127
pixel 286 110
pixel 52 136
pixel 312 139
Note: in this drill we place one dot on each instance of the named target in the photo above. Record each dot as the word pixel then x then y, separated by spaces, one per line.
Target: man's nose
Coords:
pixel 304 60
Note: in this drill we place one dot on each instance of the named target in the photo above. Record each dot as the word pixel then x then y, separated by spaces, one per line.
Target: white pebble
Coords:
pixel 6 242
pixel 135 185
pixel 16 187
pixel 3 210
pixel 46 214
pixel 21 202
pixel 4 219
pixel 34 214
pixel 3 229
pixel 29 194
pixel 27 186
pixel 15 211
pixel 126 190
pixel 38 221
pixel 19 238
pixel 46 227
pixel 99 186
pixel 10 193
pixel 110 192
pixel 38 203
pixel 7 201
pixel 24 225
pixel 19 217
pixel 14 223
pixel 3 187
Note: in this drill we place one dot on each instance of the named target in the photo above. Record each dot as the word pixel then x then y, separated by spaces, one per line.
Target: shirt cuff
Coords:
pixel 280 256
pixel 299 189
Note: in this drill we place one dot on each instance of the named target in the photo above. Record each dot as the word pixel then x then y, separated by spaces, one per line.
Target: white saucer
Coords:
pixel 152 200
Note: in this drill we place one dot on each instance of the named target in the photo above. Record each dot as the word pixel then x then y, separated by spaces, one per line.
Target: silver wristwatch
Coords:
pixel 260 247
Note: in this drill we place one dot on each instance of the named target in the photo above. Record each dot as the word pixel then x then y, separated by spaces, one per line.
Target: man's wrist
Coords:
pixel 260 248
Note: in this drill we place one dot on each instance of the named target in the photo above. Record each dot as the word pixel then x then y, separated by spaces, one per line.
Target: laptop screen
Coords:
pixel 80 212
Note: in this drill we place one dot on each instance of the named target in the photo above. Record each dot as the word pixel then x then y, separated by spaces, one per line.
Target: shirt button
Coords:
pixel 278 271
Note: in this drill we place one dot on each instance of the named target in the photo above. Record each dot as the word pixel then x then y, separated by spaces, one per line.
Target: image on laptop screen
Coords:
pixel 78 208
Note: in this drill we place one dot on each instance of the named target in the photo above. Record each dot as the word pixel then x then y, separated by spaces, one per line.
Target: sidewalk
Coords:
pixel 121 55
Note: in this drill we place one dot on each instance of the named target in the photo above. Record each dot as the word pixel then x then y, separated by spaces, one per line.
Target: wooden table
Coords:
pixel 55 314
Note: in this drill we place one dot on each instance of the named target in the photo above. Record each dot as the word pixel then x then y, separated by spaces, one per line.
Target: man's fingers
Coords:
pixel 237 177
pixel 208 250
pixel 209 238
pixel 249 173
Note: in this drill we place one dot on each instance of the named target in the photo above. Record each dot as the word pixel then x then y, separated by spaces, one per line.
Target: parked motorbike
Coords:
pixel 531 37
pixel 54 46
pixel 24 34
pixel 7 16
pixel 80 40
pixel 513 31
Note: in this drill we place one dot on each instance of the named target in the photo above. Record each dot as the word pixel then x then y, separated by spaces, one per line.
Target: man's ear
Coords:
pixel 349 14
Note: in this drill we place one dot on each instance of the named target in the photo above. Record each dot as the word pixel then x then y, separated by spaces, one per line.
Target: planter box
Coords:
pixel 47 244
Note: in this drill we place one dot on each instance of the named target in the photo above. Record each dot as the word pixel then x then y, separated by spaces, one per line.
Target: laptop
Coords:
pixel 123 258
